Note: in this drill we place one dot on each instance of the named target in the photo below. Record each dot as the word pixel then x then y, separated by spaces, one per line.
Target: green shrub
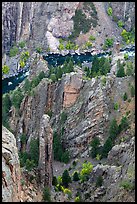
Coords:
pixel 120 71
pixel 41 75
pixel 128 37
pixel 103 80
pixel 124 124
pixel 22 63
pixel 95 146
pixel 21 44
pixel 17 98
pixel 113 130
pixel 98 157
pixel 13 51
pixel 126 56
pixel 68 192
pixel 5 69
pixel 77 199
pixel 116 106
pixel 66 179
pixel 23 156
pixel 76 176
pixel 132 91
pixel 24 56
pixel 81 22
pixel 127 185
pixel 107 147
pixel 120 24
pixel 27 85
pixel 92 37
pixel 125 96
pixel 53 77
pixel 59 179
pixel 39 50
pixel 46 194
pixel 34 151
pixel 86 170
pixel 30 164
pixel 65 157
pixel 129 100
pixel 99 181
pixel 88 44
pixel 109 11
pixel 61 46
pixel 59 187
pixel 109 42
pixel 129 68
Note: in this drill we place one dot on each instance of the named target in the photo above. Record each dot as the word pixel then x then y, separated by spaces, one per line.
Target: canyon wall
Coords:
pixel 43 23
pixel 11 186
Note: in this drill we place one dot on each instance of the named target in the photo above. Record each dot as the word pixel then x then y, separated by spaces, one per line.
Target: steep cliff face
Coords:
pixel 16 22
pixel 11 186
pixel 43 23
pixel 124 11
pixel 39 22
pixel 45 150
pixel 120 169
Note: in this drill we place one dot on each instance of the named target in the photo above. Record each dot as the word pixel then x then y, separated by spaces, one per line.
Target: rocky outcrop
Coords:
pixel 120 169
pixel 11 187
pixel 45 152
pixel 73 84
pixel 29 122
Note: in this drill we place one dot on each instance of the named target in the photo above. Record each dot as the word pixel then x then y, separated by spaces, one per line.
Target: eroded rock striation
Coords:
pixel 45 152
pixel 43 23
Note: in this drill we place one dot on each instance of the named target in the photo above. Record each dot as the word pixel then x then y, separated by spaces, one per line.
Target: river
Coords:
pixel 11 83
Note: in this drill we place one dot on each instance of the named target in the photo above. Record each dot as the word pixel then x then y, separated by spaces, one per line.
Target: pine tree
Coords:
pixel 125 96
pixel 66 179
pixel 121 71
pixel 75 176
pixel 113 130
pixel 107 147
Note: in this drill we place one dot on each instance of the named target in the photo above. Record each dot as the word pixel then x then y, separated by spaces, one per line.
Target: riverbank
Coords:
pixel 56 59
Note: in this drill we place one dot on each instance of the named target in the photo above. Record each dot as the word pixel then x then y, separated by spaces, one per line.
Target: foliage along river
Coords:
pixel 11 83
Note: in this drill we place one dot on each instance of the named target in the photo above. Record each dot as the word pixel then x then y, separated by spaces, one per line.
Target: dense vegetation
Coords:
pixel 81 22
pixel 100 66
pixel 56 74
pixel 60 154
pixel 114 131
pixel 5 69
pixel 30 159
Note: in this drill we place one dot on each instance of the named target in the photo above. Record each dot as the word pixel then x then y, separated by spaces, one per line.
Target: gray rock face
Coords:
pixel 16 22
pixel 45 151
pixel 113 175
pixel 36 21
pixel 11 187
pixel 29 123
pixel 85 117
pixel 125 11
